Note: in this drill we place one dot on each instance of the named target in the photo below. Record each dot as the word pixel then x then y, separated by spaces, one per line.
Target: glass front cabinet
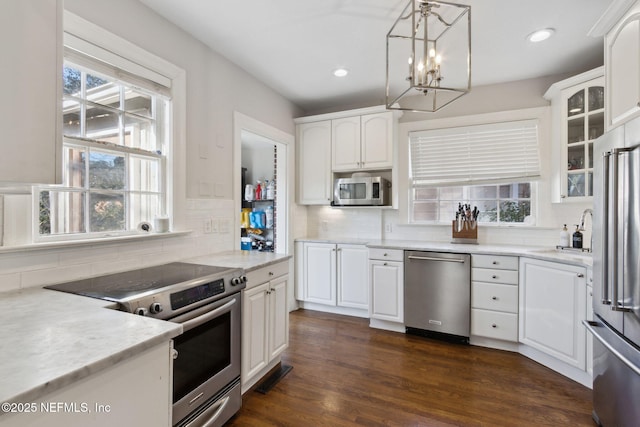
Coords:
pixel 578 109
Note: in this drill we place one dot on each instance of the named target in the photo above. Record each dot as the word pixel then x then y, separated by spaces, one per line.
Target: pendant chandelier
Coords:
pixel 428 56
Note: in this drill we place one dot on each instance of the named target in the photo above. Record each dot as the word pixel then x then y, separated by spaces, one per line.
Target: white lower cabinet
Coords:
pixel 135 391
pixel 386 304
pixel 334 275
pixel 265 321
pixel 552 307
pixel 494 298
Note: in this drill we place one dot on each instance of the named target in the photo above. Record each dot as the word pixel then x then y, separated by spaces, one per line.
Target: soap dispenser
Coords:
pixel 577 239
pixel 564 237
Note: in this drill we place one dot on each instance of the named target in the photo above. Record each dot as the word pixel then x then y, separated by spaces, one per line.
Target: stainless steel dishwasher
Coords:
pixel 437 294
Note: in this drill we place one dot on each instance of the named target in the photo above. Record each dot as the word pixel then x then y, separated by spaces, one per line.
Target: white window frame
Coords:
pixel 464 175
pixel 149 66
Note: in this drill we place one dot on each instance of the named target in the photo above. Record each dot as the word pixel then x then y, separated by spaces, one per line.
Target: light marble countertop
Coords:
pixel 538 252
pixel 52 339
pixel 247 260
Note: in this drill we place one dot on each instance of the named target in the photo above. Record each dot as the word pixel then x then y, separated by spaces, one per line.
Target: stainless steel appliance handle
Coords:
pixel 617 303
pixel 197 321
pixel 606 249
pixel 216 408
pixel 427 258
pixel 591 327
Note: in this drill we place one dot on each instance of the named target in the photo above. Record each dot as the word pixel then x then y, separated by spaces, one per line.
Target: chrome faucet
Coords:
pixel 581 227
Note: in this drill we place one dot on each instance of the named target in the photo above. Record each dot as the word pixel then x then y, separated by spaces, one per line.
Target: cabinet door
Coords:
pixel 345 143
pixel 377 141
pixel 30 113
pixel 552 307
pixel 353 286
pixel 387 292
pixel 583 115
pixel 278 316
pixel 320 273
pixel 255 327
pixel 622 63
pixel 314 163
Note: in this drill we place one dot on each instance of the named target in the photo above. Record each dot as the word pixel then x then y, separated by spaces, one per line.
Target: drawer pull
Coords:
pixel 494 277
pixel 495 263
pixel 494 298
pixel 271 273
pixel 385 263
pixel 494 326
pixel 580 275
pixel 385 254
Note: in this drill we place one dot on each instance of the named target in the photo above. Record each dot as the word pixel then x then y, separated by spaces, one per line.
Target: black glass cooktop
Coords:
pixel 118 286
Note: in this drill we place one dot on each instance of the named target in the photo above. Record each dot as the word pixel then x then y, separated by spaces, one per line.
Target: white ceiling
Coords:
pixel 294 45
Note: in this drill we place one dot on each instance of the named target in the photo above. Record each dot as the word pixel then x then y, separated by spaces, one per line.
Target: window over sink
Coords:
pixel 492 166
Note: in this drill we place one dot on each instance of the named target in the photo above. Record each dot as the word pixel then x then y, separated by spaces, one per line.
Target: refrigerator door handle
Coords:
pixel 607 158
pixel 618 155
pixel 615 345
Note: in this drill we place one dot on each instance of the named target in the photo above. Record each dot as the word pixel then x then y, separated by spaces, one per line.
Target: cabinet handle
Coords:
pixel 494 277
pixel 494 298
pixel 495 263
pixel 271 273
pixel 385 254
pixel 385 264
pixel 272 290
pixel 580 275
pixel 494 326
pixel 333 250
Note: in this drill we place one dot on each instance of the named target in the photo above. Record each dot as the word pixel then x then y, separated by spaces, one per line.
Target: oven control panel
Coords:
pixel 195 294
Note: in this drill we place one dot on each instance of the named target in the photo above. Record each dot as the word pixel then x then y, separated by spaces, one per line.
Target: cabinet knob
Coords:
pixel 494 326
pixel 494 298
pixel 495 263
pixel 271 273
pixel 385 254
pixel 494 277
pixel 580 275
pixel 385 264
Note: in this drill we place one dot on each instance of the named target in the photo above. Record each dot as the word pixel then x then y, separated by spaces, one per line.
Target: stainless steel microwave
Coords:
pixel 361 191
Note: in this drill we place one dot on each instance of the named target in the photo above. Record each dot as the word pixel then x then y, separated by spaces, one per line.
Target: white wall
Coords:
pixel 215 89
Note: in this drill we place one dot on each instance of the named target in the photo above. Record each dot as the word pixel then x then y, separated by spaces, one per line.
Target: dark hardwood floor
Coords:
pixel 345 374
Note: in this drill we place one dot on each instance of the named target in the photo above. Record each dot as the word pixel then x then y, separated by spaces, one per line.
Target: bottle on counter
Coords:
pixel 577 239
pixel 565 241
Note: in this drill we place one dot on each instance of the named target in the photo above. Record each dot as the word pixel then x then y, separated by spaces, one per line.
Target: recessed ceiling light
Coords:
pixel 340 72
pixel 540 35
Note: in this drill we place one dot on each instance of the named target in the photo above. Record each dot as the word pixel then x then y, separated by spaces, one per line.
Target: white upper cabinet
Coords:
pixel 578 110
pixel 30 114
pixel 314 163
pixel 362 142
pixel 622 68
pixel 345 143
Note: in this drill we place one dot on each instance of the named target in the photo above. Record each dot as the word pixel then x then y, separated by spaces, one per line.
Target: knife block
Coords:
pixel 468 234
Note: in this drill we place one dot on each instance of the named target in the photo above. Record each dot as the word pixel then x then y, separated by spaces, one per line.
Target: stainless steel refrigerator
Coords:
pixel 616 277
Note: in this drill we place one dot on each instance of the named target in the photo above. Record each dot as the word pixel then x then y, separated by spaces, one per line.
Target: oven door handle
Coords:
pixel 218 407
pixel 197 321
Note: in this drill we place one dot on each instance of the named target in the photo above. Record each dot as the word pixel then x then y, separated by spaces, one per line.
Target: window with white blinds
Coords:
pixel 496 152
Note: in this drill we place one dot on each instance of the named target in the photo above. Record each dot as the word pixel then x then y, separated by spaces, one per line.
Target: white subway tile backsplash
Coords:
pixel 42 267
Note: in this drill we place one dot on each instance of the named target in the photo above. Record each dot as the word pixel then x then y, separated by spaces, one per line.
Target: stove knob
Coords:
pixel 140 311
pixel 236 281
pixel 243 279
pixel 155 308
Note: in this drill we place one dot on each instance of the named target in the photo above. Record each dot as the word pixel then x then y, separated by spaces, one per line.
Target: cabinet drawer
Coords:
pixel 492 275
pixel 386 254
pixel 491 296
pixel 498 262
pixel 265 274
pixel 493 324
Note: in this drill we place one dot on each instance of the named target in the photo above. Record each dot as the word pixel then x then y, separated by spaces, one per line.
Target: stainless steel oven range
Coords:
pixel 206 301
